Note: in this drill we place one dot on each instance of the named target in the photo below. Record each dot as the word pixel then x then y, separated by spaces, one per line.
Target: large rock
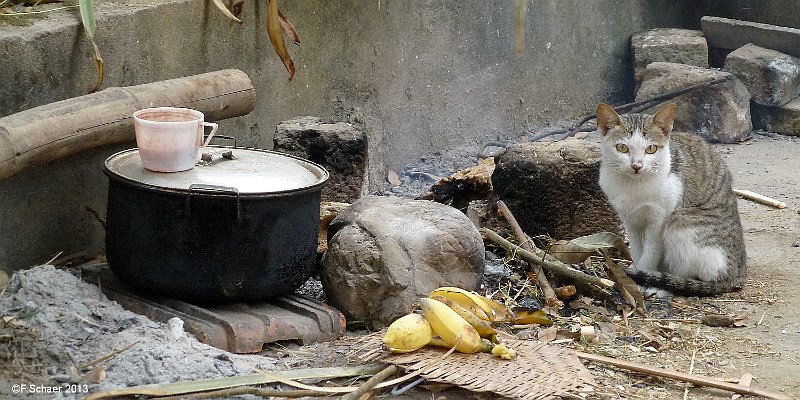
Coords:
pixel 339 147
pixel 784 119
pixel 683 46
pixel 551 188
pixel 771 77
pixel 719 113
pixel 384 253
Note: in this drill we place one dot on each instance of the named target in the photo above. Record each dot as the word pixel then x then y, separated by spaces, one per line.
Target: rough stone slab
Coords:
pixel 719 113
pixel 683 46
pixel 771 77
pixel 340 148
pixel 731 34
pixel 552 188
pixel 384 253
pixel 784 119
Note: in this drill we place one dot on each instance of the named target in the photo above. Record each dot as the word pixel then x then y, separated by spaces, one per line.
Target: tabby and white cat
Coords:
pixel 673 194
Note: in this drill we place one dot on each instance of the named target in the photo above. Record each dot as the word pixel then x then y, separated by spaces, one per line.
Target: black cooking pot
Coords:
pixel 238 228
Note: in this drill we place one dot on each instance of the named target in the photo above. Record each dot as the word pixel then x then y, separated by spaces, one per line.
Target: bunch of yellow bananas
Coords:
pixel 459 318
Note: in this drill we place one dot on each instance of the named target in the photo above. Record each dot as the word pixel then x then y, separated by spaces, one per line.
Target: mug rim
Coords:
pixel 199 116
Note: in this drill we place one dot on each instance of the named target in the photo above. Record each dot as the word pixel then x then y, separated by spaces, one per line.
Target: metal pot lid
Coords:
pixel 250 171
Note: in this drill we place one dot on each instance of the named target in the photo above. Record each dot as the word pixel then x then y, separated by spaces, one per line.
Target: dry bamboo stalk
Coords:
pixel 204 385
pixel 541 280
pixel 540 258
pixel 371 382
pixel 684 377
pixel 759 198
pixel 242 390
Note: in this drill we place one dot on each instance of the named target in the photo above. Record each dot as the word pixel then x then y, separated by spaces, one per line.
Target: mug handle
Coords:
pixel 210 134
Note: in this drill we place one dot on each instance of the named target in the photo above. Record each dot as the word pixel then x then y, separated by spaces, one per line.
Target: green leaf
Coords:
pixel 87 16
pixel 87 19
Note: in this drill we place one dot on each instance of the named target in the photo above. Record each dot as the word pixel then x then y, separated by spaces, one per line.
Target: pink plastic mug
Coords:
pixel 170 138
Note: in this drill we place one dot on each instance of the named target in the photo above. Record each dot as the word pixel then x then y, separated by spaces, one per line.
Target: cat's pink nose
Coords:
pixel 636 167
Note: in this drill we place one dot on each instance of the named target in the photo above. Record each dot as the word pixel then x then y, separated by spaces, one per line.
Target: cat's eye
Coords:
pixel 621 148
pixel 651 149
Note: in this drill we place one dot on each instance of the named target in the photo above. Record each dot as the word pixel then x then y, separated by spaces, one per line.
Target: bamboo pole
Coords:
pixel 56 130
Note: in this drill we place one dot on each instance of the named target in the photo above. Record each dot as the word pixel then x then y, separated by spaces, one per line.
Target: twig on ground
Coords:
pixel 371 382
pixel 759 198
pixel 635 107
pixel 541 280
pixel 696 379
pixel 540 258
pixel 107 356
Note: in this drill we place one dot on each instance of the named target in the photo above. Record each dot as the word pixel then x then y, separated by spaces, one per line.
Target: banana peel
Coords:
pixel 525 316
pixel 408 333
pixel 454 330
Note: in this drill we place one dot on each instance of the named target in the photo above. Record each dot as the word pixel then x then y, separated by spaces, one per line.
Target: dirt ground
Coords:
pixel 769 347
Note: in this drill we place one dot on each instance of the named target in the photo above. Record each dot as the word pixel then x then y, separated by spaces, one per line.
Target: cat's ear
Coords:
pixel 664 118
pixel 607 118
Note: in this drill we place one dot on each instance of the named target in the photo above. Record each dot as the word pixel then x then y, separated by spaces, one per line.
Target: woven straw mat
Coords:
pixel 539 372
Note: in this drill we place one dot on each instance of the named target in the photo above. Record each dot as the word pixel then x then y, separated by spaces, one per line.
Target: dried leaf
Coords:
pixel 579 249
pixel 525 316
pixel 626 286
pixel 226 12
pixel 275 33
pixel 288 29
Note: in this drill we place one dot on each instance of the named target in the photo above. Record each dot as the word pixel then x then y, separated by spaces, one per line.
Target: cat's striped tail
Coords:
pixel 683 286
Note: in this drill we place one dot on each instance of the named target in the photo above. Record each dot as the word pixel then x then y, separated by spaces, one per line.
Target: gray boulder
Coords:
pixel 384 253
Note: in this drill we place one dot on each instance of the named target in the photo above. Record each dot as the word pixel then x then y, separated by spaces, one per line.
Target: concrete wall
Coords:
pixel 423 76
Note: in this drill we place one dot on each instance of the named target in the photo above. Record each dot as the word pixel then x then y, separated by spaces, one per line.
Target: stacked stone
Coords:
pixel 672 59
pixel 773 80
pixel 763 86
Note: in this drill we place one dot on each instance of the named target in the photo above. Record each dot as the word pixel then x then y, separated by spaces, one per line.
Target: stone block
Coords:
pixel 682 46
pixel 339 147
pixel 552 188
pixel 384 253
pixel 784 119
pixel 731 34
pixel 718 113
pixel 771 77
